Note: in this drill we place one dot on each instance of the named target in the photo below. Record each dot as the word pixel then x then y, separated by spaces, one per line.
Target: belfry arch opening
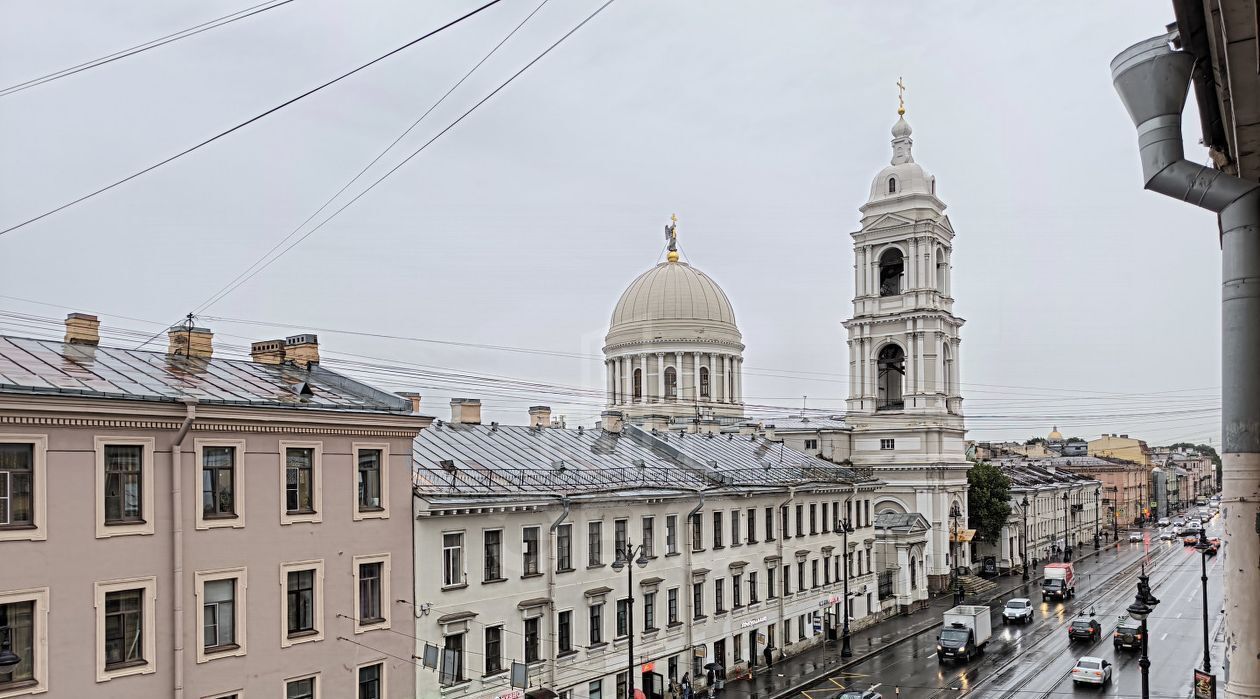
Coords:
pixel 942 269
pixel 892 375
pixel 671 383
pixel 704 382
pixel 892 266
pixel 638 384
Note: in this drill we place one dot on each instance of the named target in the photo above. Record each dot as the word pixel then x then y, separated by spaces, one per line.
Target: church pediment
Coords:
pixel 888 221
pixel 908 522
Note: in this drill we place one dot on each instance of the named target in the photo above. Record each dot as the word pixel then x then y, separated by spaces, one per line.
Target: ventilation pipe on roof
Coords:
pixel 611 421
pixel 1152 80
pixel 302 350
pixel 267 352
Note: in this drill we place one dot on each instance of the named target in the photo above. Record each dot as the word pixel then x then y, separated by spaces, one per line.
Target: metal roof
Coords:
pixel 1031 473
pixel 481 460
pixel 807 423
pixel 49 367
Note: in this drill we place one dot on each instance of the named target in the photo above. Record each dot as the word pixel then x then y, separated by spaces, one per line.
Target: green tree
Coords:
pixel 988 501
pixel 1035 440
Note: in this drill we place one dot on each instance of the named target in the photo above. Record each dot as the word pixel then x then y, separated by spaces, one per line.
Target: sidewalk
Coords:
pixel 787 676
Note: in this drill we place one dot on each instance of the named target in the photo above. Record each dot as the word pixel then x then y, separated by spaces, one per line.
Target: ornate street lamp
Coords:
pixel 623 558
pixel 845 650
pixel 1023 506
pixel 1203 546
pixel 1067 547
pixel 1143 604
pixel 1097 515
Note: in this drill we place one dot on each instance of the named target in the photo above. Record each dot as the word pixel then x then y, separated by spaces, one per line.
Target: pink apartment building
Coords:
pixel 180 525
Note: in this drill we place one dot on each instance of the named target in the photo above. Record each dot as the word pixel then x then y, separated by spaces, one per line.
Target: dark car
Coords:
pixel 1084 630
pixel 1128 633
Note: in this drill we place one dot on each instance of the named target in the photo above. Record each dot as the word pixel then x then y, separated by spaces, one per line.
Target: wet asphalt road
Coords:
pixel 1035 659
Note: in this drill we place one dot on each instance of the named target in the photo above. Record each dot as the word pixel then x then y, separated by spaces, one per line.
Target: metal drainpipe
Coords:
pixel 551 585
pixel 1152 81
pixel 782 562
pixel 177 541
pixel 688 545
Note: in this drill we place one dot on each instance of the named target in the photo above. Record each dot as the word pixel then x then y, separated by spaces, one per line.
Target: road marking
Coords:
pixel 1178 615
pixel 932 655
pixel 1163 637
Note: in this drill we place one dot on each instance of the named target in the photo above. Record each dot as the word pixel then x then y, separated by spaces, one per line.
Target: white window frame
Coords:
pixel 383 513
pixel 891 444
pixel 463 559
pixel 384 560
pixel 285 569
pixel 284 685
pixel 39 500
pixel 383 662
pixel 39 596
pixel 238 693
pixel 102 588
pixel 238 484
pixel 200 578
pixel 317 483
pixel 147 486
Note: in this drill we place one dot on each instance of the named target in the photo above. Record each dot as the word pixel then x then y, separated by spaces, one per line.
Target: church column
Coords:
pixel 660 377
pixel 695 370
pixel 940 362
pixel 739 379
pixel 713 377
pixel 923 387
pixel 912 263
pixel 679 377
pixel 859 269
pixel 643 384
pixel 609 385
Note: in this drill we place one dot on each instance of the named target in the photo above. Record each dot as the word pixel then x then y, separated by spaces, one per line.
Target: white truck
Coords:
pixel 965 633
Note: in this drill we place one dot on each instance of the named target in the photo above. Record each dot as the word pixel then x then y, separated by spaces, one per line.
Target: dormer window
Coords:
pixel 892 185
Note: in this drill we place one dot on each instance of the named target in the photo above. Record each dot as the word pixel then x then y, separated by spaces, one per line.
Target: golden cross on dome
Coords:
pixel 901 96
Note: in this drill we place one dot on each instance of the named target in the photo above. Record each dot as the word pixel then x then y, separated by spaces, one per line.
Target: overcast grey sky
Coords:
pixel 1089 303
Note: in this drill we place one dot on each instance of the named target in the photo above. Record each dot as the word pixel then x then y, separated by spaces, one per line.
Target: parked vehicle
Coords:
pixel 1194 525
pixel 1059 581
pixel 1083 629
pixel 1135 536
pixel 860 694
pixel 1019 610
pixel 1163 522
pixel 1128 633
pixel 1179 521
pixel 965 633
pixel 1091 670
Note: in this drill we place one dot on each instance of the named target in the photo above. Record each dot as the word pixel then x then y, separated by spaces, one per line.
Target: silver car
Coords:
pixel 1091 670
pixel 1135 536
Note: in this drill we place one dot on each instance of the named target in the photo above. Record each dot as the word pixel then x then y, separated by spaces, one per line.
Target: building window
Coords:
pixel 800 576
pixel 494 650
pixel 299 481
pixel 704 382
pixel 649 611
pixel 811 444
pixel 671 534
pixel 594 543
pixel 371 678
pixel 752 525
pixel 303 688
pixel 597 624
pixel 124 484
pixel 564 624
pixel 531 640
pixel 623 681
pixel 451 671
pixel 372 592
pixel 697 600
pixel 218 608
pixel 737 591
pixel 717 530
pixel 887 444
pixel 222 502
pixel 638 384
pixel 813 573
pixel 671 600
pixel 739 648
pixel 620 537
pixel 719 595
pixel 697 533
pixel 25 616
pixel 891 269
pixel 452 559
pixel 649 537
pixel 787 580
pixel 673 667
pixel 529 550
pixel 769 524
pixel 892 185
pixel 770 582
pixel 801 625
pixel 671 383
pixel 787 631
pixel 783 522
pixel 492 545
pixel 126 627
pixel 372 492
pixel 800 520
pixel 564 548
pixel 813 518
pixel 623 618
pixel 595 690
pixel 752 587
pixel 300 593
pixel 734 527
pixel 892 374
pixel 22 478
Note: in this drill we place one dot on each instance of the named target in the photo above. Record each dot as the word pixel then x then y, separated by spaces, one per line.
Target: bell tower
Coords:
pixel 905 402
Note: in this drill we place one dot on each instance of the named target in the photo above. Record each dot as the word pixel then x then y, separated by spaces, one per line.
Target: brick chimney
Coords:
pixel 267 351
pixel 83 329
pixel 302 349
pixel 611 421
pixel 465 411
pixel 190 342
pixel 414 398
pixel 539 416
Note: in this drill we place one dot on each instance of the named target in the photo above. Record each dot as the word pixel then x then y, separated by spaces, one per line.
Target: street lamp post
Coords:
pixel 845 650
pixel 1203 547
pixel 1143 604
pixel 1023 556
pixel 1067 548
pixel 623 559
pixel 955 513
pixel 1097 516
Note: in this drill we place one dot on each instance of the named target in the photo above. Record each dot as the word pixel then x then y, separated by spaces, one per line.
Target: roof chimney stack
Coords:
pixel 302 350
pixel 83 329
pixel 770 434
pixel 465 411
pixel 539 416
pixel 611 421
pixel 267 351
pixel 190 341
pixel 414 398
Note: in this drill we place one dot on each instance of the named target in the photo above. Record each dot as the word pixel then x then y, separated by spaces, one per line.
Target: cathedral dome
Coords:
pixel 1055 435
pixel 903 177
pixel 673 291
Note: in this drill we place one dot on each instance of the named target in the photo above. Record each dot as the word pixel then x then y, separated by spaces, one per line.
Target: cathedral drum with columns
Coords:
pixel 673 352
pixel 905 405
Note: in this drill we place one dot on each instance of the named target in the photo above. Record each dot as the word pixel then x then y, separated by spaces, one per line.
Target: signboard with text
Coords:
pixel 1204 685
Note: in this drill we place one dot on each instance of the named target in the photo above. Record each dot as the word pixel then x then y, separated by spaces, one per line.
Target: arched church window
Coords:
pixel 892 185
pixel 671 383
pixel 942 268
pixel 914 574
pixel 892 374
pixel 704 382
pixel 638 384
pixel 891 268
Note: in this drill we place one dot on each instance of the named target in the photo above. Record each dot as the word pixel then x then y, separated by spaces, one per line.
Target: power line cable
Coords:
pixel 413 154
pixel 387 149
pixel 140 48
pixel 247 122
